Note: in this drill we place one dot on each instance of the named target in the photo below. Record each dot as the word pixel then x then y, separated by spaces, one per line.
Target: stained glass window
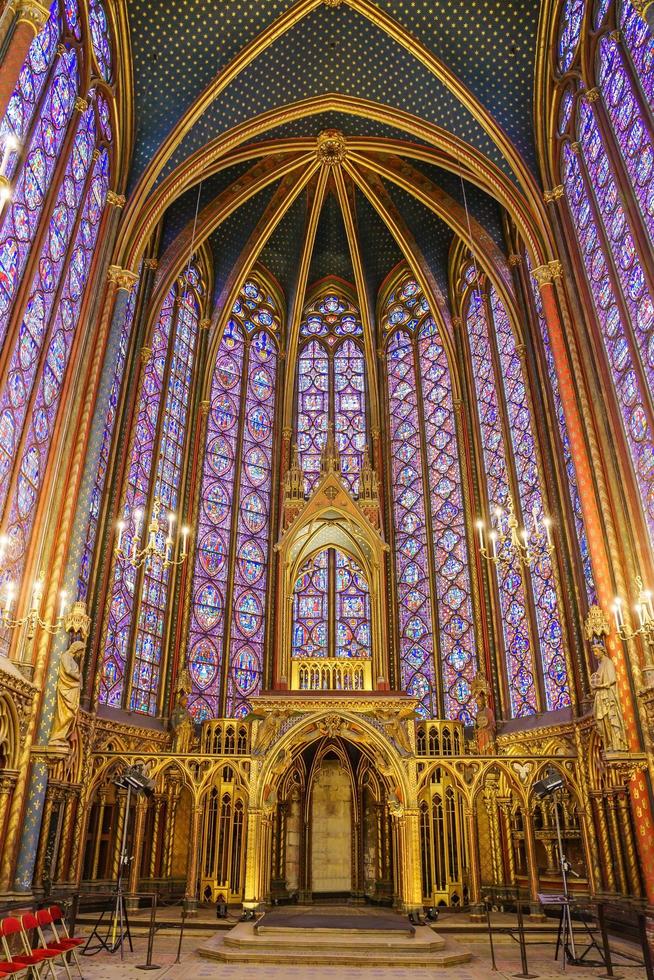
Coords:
pixel 639 44
pixel 100 37
pixel 331 608
pixel 228 612
pixel 570 31
pixel 22 215
pixel 431 551
pixel 139 599
pixel 24 100
pixel 331 388
pixel 37 439
pixel 525 461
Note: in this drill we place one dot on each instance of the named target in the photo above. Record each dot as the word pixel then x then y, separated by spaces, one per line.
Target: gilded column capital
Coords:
pixel 205 323
pixel 204 409
pixel 545 274
pixel 33 13
pixel 554 195
pixel 151 263
pixel 96 154
pixel 116 200
pixel 576 147
pixel 81 104
pixel 457 321
pixel 514 259
pixel 591 94
pixel 287 432
pixel 616 36
pixel 145 354
pixel 123 278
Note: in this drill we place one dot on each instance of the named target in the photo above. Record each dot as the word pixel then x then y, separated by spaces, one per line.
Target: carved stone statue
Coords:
pixel 69 686
pixel 181 722
pixel 485 726
pixel 606 703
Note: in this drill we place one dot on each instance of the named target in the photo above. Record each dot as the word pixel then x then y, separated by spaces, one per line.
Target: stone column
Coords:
pixel 474 894
pixel 629 844
pixel 194 857
pixel 410 860
pixel 21 21
pixel 7 781
pixel 137 844
pixel 606 861
pixel 252 860
pixel 102 802
pixel 169 830
pixel 154 852
pixel 65 839
pixel 120 809
pixel 616 848
pixel 532 865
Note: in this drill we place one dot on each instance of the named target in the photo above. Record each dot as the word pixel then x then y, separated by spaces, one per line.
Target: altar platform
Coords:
pixel 332 936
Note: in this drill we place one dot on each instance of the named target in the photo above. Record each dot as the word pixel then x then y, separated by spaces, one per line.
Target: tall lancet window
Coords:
pixel 536 672
pixel 606 164
pixel 437 639
pixel 331 387
pixel 230 580
pixel 49 229
pixel 136 623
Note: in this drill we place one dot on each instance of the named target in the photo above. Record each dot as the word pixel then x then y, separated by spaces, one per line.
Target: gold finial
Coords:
pixel 368 482
pixel 330 458
pixel 596 624
pixel 331 149
pixel 116 200
pixel 553 195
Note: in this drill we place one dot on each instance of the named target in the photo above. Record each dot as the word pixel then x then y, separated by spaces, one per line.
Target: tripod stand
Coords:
pixel 565 939
pixel 118 926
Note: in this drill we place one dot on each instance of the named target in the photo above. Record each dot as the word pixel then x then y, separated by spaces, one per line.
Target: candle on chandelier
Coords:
pixel 617 612
pixel 649 608
pixel 548 531
pixel 185 531
pixel 493 541
pixel 534 514
pixel 169 548
pixel 37 595
pixel 480 529
pixel 138 519
pixel 62 604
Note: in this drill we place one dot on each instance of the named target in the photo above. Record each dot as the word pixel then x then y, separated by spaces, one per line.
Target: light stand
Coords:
pixel 550 786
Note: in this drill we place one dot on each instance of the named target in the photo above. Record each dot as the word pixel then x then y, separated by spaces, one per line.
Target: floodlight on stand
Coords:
pixel 549 784
pixel 134 779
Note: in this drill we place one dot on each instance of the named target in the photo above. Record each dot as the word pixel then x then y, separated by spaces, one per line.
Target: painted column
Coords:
pixel 102 802
pixel 545 276
pixel 532 864
pixel 474 893
pixel 252 897
pixel 169 834
pixel 606 861
pixel 7 781
pixel 193 856
pixel 154 852
pixel 121 805
pixel 410 858
pixel 616 848
pixel 71 799
pixel 21 21
pixel 137 844
pixel 624 819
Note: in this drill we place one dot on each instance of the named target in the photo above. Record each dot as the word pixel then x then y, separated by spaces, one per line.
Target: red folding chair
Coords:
pixel 30 959
pixel 44 920
pixel 60 929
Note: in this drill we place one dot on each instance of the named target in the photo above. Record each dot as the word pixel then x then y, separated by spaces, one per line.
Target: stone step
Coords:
pixel 334 946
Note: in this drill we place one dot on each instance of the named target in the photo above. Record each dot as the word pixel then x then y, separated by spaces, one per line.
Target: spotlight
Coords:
pixel 549 784
pixel 135 779
pixel 432 914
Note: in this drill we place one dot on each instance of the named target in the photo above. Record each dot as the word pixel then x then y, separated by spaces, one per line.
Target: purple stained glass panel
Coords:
pixel 22 215
pixel 312 409
pixel 411 556
pixel 252 545
pixel 513 599
pixel 525 456
pixel 23 366
pixel 350 410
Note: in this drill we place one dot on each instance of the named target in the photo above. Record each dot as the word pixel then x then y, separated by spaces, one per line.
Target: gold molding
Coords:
pixel 331 147
pixel 33 13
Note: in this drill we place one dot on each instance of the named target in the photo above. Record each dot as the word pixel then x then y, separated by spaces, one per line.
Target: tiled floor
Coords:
pixel 540 959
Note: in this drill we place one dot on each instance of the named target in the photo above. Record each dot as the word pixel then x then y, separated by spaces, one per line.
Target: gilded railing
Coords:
pixel 331 674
